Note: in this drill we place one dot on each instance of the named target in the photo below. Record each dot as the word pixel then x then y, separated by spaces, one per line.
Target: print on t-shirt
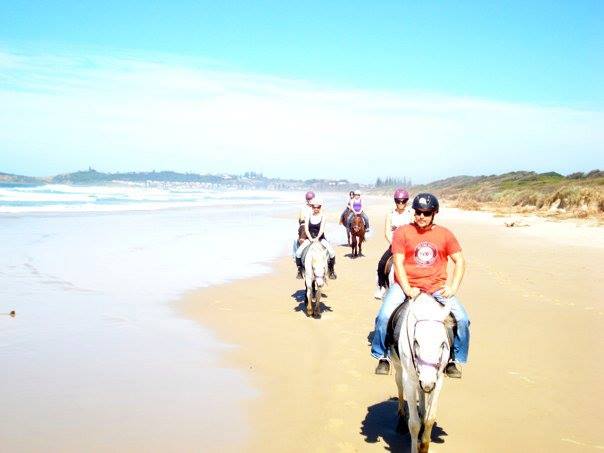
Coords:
pixel 425 254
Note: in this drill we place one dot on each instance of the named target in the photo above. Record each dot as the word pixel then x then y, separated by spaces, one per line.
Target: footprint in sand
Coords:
pixel 582 444
pixel 520 376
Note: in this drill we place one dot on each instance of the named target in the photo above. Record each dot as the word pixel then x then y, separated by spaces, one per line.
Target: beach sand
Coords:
pixel 533 381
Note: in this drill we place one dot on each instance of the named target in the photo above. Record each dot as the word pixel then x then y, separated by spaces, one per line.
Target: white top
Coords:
pixel 396 219
pixel 315 219
pixel 305 213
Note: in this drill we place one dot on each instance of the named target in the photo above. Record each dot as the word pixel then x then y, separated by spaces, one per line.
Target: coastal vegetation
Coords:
pixel 575 195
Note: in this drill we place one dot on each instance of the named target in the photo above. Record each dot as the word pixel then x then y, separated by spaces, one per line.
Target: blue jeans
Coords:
pixel 394 297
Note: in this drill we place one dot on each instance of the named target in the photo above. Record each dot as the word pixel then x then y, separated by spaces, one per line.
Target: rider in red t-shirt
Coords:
pixel 421 251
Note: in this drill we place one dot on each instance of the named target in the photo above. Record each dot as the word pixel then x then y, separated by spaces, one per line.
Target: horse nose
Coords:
pixel 427 387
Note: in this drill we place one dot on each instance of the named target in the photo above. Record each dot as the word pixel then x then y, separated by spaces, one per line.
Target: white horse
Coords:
pixel 420 353
pixel 315 268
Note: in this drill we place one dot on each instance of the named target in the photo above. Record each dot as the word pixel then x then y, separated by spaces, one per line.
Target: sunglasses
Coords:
pixel 401 200
pixel 424 213
pixel 316 206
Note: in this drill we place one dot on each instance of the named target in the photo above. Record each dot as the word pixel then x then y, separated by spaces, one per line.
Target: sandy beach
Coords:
pixel 533 381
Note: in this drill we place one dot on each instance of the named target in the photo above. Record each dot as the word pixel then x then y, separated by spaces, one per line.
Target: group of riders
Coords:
pixel 420 251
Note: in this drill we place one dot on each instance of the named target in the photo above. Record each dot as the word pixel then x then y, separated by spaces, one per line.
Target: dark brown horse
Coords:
pixel 357 232
pixel 344 221
pixel 301 234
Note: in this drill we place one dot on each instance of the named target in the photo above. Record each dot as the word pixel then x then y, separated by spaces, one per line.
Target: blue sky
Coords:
pixel 306 89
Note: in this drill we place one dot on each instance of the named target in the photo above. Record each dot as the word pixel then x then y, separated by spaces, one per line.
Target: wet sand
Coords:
pixel 533 382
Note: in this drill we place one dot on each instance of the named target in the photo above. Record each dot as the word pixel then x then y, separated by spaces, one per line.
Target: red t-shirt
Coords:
pixel 426 253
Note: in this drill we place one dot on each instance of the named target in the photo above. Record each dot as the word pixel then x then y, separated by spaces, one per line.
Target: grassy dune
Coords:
pixel 551 194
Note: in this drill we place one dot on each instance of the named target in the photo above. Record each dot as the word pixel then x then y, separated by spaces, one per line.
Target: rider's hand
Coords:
pixel 447 291
pixel 413 292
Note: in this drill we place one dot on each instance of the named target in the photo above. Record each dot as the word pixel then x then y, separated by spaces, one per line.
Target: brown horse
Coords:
pixel 357 231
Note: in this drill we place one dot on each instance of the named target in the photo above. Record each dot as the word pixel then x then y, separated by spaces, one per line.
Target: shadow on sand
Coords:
pixel 349 255
pixel 380 425
pixel 300 297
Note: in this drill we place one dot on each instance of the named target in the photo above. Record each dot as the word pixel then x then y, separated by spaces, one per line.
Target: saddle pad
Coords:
pixel 305 252
pixel 395 322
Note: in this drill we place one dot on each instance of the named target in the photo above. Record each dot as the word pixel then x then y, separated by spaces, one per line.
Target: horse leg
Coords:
pixel 308 298
pixel 431 404
pixel 403 411
pixel 410 391
pixel 317 303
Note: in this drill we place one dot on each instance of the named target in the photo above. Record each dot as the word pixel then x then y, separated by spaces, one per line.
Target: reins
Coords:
pixel 417 360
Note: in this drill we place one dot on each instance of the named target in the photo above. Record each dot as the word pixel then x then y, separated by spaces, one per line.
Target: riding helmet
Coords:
pixel 317 201
pixel 425 202
pixel 401 194
pixel 310 195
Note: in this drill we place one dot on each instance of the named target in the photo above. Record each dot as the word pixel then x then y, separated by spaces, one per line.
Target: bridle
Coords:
pixel 316 262
pixel 417 361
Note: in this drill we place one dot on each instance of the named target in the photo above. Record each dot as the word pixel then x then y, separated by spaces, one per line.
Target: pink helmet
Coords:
pixel 310 195
pixel 401 194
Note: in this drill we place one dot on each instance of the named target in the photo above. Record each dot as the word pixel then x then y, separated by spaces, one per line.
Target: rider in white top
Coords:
pixel 306 210
pixel 315 227
pixel 394 219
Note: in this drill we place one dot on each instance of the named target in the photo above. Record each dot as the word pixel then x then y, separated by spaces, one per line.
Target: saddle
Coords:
pixel 305 252
pixel 349 218
pixel 395 324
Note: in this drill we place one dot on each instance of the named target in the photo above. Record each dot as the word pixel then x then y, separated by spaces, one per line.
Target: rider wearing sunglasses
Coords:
pixel 421 251
pixel 394 219
pixel 315 227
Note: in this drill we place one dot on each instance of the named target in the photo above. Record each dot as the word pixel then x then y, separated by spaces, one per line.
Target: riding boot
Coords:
pixel 330 268
pixel 300 268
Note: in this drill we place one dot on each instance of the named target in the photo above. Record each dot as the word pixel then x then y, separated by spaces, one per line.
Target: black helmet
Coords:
pixel 425 202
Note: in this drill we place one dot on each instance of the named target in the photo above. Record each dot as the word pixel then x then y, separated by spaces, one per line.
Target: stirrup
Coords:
pixel 383 367
pixel 453 370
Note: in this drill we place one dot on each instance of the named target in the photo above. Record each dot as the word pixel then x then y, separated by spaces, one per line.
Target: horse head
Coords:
pixel 316 260
pixel 357 224
pixel 428 340
pixel 318 269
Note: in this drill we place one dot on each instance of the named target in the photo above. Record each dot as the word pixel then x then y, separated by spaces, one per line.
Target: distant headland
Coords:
pixel 579 194
pixel 249 180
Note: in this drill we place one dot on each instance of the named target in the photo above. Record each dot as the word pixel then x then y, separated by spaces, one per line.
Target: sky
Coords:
pixel 339 89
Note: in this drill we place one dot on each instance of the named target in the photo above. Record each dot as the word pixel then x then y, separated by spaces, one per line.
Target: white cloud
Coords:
pixel 61 113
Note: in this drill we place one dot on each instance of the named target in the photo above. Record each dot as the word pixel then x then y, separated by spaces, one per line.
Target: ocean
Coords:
pixel 96 357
